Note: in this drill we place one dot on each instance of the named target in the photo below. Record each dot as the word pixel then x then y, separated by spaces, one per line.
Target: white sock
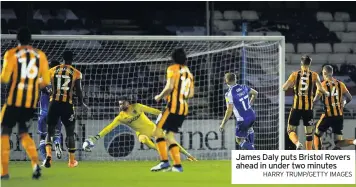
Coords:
pixel 354 142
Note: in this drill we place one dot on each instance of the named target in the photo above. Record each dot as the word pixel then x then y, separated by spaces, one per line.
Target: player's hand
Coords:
pixel 157 98
pixel 221 128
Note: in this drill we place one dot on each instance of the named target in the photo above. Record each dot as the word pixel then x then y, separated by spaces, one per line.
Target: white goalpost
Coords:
pixel 114 66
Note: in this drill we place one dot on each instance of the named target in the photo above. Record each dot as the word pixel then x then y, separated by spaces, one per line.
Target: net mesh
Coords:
pixel 112 68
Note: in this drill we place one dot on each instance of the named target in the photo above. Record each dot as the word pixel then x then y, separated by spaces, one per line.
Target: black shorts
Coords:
pixel 61 110
pixel 11 115
pixel 336 123
pixel 296 115
pixel 171 122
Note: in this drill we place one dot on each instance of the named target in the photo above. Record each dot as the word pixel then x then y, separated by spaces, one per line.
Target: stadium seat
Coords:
pixel 324 16
pixel 351 58
pixel 337 58
pixel 305 48
pixel 8 14
pixel 327 24
pixel 235 33
pixel 255 33
pixel 348 37
pixel 342 47
pixel 295 58
pixel 341 16
pixel 288 58
pixel 249 15
pixel 224 25
pixel 350 26
pixel 42 14
pixel 337 26
pixel 67 14
pixel 320 58
pixel 290 48
pixel 276 33
pixel 323 48
pixel 217 15
pixel 232 15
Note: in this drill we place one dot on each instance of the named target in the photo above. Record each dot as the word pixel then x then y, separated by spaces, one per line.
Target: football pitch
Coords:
pixel 127 174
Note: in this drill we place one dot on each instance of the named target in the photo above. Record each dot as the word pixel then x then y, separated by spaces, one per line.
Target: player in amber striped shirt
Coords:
pixel 303 82
pixel 23 67
pixel 179 88
pixel 333 110
pixel 64 79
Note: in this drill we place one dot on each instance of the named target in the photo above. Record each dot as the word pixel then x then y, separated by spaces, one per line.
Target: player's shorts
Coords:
pixel 64 111
pixel 170 122
pixel 11 115
pixel 336 123
pixel 243 127
pixel 295 116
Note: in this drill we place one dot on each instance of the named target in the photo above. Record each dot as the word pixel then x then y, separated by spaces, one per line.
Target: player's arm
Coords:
pixel 346 94
pixel 78 90
pixel 191 90
pixel 319 86
pixel 228 112
pixel 90 142
pixel 6 70
pixel 148 109
pixel 317 96
pixel 253 94
pixel 44 69
pixel 169 85
pixel 290 82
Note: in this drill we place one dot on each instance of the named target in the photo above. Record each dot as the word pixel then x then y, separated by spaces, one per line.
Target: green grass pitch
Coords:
pixel 127 174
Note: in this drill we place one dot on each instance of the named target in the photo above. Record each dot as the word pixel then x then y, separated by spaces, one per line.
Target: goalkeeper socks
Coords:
pixel 247 145
pixel 149 143
pixel 5 154
pixel 251 137
pixel 182 150
pixel 162 149
pixel 30 148
pixel 175 155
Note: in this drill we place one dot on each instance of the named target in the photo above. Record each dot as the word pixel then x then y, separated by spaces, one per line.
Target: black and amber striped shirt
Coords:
pixel 26 69
pixel 304 82
pixel 334 103
pixel 183 80
pixel 63 79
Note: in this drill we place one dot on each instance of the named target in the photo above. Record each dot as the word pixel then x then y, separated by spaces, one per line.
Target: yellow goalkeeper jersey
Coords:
pixel 135 118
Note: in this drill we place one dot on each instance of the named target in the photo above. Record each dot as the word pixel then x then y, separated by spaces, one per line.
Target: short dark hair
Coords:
pixel 24 36
pixel 54 63
pixel 231 77
pixel 179 56
pixel 68 57
pixel 329 69
pixel 306 60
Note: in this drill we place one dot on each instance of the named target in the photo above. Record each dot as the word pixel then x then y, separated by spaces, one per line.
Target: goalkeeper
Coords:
pixel 133 115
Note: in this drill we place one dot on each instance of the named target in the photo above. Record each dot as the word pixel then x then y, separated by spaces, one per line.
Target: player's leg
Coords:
pixel 146 140
pixel 27 142
pixel 52 118
pixel 321 127
pixel 42 131
pixel 57 139
pixel 293 123
pixel 68 120
pixel 174 123
pixel 308 127
pixel 161 143
pixel 337 127
pixel 7 123
pixel 241 134
pixel 251 135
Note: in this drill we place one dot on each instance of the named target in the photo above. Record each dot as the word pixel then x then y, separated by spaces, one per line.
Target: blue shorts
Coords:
pixel 42 124
pixel 242 127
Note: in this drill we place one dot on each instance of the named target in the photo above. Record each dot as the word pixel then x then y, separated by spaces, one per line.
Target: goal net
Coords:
pixel 114 66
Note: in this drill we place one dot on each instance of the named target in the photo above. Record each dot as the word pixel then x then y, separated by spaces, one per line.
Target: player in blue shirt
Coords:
pixel 42 121
pixel 238 100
